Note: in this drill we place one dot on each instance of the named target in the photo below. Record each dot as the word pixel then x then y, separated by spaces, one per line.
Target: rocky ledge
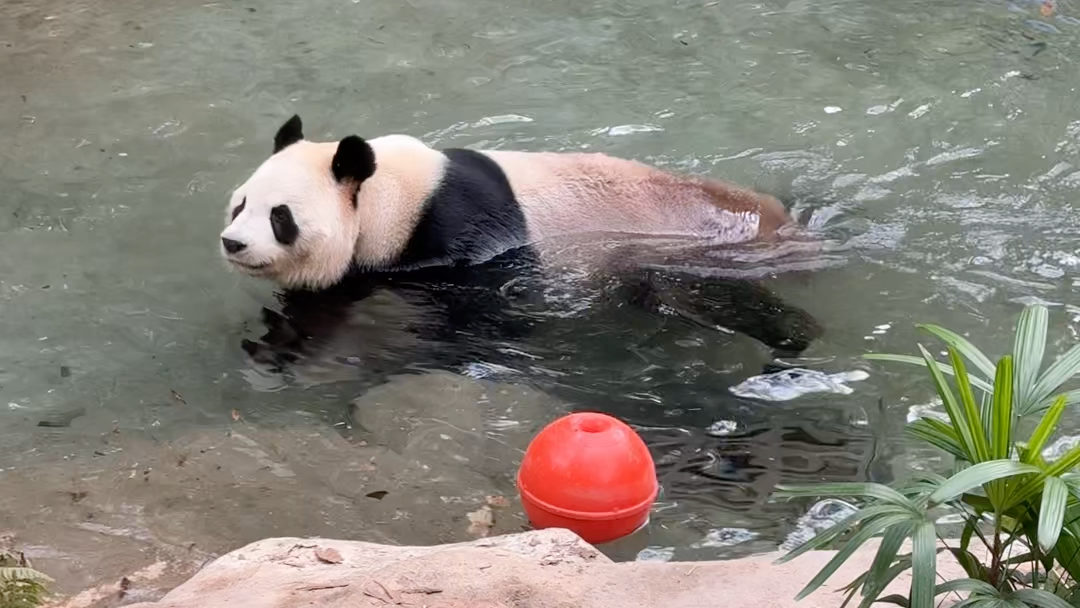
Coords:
pixel 540 569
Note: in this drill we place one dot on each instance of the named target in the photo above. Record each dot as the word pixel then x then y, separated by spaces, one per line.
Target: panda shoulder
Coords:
pixel 407 164
pixel 468 172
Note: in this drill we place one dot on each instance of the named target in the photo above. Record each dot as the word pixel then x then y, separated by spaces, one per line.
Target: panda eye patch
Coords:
pixel 285 229
pixel 239 208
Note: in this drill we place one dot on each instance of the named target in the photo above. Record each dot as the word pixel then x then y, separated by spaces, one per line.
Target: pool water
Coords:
pixel 936 147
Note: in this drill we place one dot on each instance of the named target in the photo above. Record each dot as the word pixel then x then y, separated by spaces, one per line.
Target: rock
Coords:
pixel 330 556
pixel 540 569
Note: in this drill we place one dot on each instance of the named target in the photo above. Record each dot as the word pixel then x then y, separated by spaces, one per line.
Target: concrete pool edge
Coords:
pixel 539 569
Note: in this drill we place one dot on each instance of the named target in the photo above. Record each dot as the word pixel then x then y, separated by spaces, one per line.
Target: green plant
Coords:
pixel 1023 512
pixel 20 585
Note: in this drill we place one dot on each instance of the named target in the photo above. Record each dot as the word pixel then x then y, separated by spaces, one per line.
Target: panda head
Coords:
pixel 295 221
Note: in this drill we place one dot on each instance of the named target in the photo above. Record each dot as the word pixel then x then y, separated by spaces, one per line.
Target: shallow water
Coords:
pixel 938 144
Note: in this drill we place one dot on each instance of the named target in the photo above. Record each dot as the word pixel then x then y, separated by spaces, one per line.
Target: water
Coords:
pixel 938 144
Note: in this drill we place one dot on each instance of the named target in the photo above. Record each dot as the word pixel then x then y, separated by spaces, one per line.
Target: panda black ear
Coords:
pixel 354 160
pixel 289 133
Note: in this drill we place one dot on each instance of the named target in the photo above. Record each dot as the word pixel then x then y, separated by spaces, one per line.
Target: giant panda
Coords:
pixel 319 215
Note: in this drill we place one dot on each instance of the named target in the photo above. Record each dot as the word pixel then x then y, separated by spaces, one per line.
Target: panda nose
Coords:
pixel 232 246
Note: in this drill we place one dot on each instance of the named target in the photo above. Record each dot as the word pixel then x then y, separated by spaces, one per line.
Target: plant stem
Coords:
pixel 995 563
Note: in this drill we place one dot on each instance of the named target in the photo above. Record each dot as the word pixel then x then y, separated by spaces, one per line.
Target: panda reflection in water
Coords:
pixel 431 235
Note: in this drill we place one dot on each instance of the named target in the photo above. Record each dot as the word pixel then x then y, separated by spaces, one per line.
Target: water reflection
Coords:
pixel 448 318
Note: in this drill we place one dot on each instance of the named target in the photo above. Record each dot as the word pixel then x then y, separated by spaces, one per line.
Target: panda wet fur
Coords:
pixel 393 205
pixel 473 208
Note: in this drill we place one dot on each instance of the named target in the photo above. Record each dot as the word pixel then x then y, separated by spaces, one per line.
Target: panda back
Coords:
pixel 472 216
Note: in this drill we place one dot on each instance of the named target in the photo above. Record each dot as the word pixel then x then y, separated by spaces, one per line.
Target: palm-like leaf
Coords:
pixel 1060 372
pixel 1055 496
pixel 885 502
pixel 961 344
pixel 874 491
pixel 972 415
pixel 939 435
pixel 979 475
pixel 970 585
pixel 20 574
pixel 1031 488
pixel 1002 410
pixel 978 383
pixel 1071 398
pixel 923 565
pixel 1034 505
pixel 963 426
pixel 1038 598
pixel 877 578
pixel 22 587
pixel 868 528
pixel 1028 352
pixel 1042 433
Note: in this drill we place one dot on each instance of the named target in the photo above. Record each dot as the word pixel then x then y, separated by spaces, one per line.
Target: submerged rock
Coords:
pixel 821 516
pixel 432 449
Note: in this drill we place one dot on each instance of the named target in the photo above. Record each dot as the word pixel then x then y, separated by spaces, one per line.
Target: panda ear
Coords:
pixel 289 133
pixel 354 160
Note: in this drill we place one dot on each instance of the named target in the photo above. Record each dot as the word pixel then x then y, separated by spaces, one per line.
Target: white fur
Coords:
pixel 319 207
pixel 333 233
pixel 577 193
pixel 389 204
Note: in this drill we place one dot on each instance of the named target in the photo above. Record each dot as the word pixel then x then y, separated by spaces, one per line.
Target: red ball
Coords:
pixel 589 473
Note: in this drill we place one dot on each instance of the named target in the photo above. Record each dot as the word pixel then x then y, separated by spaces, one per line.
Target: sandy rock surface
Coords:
pixel 540 569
